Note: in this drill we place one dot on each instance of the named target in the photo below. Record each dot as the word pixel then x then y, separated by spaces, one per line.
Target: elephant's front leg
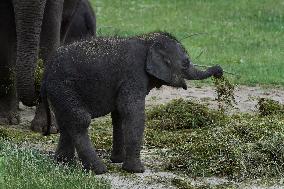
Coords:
pixel 118 150
pixel 9 113
pixel 49 42
pixel 133 123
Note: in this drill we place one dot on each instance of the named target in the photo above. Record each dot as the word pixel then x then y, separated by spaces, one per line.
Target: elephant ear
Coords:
pixel 157 64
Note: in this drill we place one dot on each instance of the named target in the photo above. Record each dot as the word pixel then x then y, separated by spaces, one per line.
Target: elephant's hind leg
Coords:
pixel 87 154
pixel 73 121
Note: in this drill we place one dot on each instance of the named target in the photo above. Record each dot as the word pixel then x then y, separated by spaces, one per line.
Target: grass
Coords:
pixel 180 114
pixel 239 147
pixel 269 107
pixel 244 148
pixel 22 167
pixel 245 37
pixel 200 143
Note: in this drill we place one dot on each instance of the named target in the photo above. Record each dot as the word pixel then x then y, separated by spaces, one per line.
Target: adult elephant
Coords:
pixel 83 24
pixel 28 29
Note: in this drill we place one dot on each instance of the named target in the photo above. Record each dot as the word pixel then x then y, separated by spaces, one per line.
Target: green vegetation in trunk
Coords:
pixel 225 93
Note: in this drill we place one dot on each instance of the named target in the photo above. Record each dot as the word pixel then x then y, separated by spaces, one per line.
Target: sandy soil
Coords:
pixel 246 97
pixel 155 177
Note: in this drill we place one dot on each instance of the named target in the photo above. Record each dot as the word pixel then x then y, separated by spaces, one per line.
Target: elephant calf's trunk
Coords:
pixel 195 74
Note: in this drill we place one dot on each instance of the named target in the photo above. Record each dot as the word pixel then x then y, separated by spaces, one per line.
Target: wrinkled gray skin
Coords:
pixel 28 27
pixel 83 25
pixel 90 79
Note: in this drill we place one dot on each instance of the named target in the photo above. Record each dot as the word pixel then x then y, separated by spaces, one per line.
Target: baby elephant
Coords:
pixel 89 79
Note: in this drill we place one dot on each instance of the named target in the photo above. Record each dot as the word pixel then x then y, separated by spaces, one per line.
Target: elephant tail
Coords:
pixel 47 109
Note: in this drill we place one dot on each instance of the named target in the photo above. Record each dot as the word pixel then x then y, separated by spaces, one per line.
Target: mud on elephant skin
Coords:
pixel 82 26
pixel 89 79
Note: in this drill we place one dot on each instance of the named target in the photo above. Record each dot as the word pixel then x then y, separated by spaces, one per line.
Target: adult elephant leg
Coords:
pixel 8 100
pixel 49 41
pixel 28 20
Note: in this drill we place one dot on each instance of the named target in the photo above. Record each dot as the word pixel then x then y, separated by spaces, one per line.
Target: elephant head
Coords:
pixel 168 61
pixel 30 17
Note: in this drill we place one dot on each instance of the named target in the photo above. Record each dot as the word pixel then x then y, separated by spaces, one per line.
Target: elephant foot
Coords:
pixel 9 112
pixel 97 167
pixel 10 118
pixel 39 123
pixel 133 166
pixel 117 157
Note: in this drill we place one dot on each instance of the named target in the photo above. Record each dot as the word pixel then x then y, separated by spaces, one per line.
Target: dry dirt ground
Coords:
pixel 155 177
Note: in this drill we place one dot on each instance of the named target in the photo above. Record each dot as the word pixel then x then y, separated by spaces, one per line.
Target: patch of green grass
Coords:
pixel 19 136
pixel 245 147
pixel 182 114
pixel 243 36
pixel 239 147
pixel 100 132
pixel 269 107
pixel 22 167
pixel 225 93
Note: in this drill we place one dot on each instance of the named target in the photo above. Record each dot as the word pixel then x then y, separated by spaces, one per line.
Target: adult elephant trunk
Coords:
pixel 28 18
pixel 195 74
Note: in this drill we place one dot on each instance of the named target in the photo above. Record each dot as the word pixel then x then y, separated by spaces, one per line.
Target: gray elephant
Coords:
pixel 89 79
pixel 28 29
pixel 83 24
